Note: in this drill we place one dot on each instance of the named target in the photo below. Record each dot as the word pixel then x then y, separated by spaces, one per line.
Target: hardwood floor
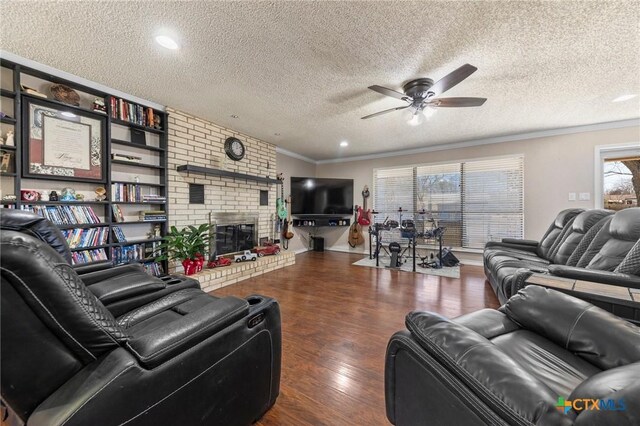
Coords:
pixel 336 321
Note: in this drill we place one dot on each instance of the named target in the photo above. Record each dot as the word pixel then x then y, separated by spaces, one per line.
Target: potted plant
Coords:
pixel 187 246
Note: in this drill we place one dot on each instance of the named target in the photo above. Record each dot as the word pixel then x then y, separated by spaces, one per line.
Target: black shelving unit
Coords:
pixel 159 171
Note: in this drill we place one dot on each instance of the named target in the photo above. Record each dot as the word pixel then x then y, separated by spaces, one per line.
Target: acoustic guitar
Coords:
pixel 287 232
pixel 364 214
pixel 355 231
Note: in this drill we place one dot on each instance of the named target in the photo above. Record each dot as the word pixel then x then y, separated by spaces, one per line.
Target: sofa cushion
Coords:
pixel 496 378
pixel 551 364
pixel 623 233
pixel 579 228
pixel 602 384
pixel 595 335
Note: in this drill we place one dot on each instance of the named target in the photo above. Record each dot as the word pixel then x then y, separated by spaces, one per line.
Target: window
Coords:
pixel 619 185
pixel 477 201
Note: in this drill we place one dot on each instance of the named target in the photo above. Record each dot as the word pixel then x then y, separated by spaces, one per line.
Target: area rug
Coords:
pixel 450 272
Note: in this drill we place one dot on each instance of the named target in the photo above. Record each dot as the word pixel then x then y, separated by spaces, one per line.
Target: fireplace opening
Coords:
pixel 232 232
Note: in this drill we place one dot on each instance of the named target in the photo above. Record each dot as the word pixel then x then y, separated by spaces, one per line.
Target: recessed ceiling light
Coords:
pixel 234 116
pixel 68 114
pixel 277 134
pixel 624 98
pixel 167 42
pixel 344 143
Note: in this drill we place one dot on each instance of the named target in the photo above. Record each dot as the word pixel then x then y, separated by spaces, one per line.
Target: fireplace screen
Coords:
pixel 232 232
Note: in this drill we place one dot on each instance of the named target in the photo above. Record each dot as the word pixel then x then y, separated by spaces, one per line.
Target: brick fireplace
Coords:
pixel 199 142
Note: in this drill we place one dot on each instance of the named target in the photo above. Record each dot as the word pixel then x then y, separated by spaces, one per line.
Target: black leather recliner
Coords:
pixel 499 254
pixel 511 366
pixel 185 358
pixel 119 288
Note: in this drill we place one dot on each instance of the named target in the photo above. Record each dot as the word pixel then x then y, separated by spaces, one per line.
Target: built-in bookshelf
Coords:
pixel 135 171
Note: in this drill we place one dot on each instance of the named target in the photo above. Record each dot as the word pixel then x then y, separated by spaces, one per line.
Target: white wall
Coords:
pixel 554 166
pixel 290 166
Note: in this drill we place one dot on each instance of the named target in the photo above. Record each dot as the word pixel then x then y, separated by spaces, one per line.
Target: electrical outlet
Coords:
pixel 585 196
pixel 572 196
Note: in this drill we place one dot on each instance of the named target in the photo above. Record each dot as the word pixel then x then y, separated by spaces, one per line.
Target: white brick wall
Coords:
pixel 199 142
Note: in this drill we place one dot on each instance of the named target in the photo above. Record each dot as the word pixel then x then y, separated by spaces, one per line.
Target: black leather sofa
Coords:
pixel 184 358
pixel 119 288
pixel 510 366
pixel 593 245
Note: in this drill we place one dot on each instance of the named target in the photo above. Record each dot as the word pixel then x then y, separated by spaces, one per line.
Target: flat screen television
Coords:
pixel 321 196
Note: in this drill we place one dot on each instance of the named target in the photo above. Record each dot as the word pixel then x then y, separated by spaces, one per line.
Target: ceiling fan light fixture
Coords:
pixel 429 111
pixel 417 118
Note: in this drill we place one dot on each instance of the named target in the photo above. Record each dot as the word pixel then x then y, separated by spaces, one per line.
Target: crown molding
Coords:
pixel 295 155
pixel 634 122
pixel 71 77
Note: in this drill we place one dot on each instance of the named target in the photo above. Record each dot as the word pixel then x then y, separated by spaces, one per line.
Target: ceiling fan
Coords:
pixel 421 95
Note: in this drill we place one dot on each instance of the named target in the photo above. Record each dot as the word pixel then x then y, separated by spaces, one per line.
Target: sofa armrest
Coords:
pixel 92 277
pixel 512 243
pixel 92 267
pixel 154 348
pixel 593 275
pixel 522 242
pixel 494 377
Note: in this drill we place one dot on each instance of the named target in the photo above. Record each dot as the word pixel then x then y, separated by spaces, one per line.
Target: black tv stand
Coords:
pixel 314 222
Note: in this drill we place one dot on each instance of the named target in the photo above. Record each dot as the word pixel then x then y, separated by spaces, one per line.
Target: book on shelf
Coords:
pixel 152 215
pixel 133 113
pixel 87 256
pixel 78 238
pixel 118 234
pixel 126 157
pixel 127 254
pixel 65 215
pixel 153 268
pixel 118 216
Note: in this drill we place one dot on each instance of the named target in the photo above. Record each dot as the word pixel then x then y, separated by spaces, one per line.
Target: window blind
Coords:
pixel 492 200
pixel 438 192
pixel 477 201
pixel 392 189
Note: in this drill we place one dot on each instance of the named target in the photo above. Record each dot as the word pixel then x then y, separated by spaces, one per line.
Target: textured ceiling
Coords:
pixel 301 69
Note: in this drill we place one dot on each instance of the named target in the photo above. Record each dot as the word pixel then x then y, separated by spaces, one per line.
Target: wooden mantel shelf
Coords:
pixel 224 173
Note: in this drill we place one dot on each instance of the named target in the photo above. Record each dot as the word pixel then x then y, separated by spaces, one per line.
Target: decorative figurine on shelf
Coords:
pixel 53 196
pixel 136 179
pixel 68 194
pixel 99 106
pixel 29 195
pixel 155 232
pixel 101 194
pixel 10 139
pixel 9 197
pixel 44 196
pixel 6 161
pixel 65 94
pixel 79 197
pixel 157 123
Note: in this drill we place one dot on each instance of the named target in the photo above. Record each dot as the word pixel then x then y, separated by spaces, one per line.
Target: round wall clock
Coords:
pixel 234 149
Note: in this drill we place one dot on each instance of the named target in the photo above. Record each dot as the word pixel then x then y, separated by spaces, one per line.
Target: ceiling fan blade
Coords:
pixel 451 79
pixel 389 92
pixel 384 112
pixel 457 102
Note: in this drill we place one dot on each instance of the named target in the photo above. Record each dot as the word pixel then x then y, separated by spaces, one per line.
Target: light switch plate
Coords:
pixel 572 196
pixel 585 196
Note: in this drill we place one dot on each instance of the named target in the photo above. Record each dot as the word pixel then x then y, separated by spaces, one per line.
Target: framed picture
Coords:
pixel 62 143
